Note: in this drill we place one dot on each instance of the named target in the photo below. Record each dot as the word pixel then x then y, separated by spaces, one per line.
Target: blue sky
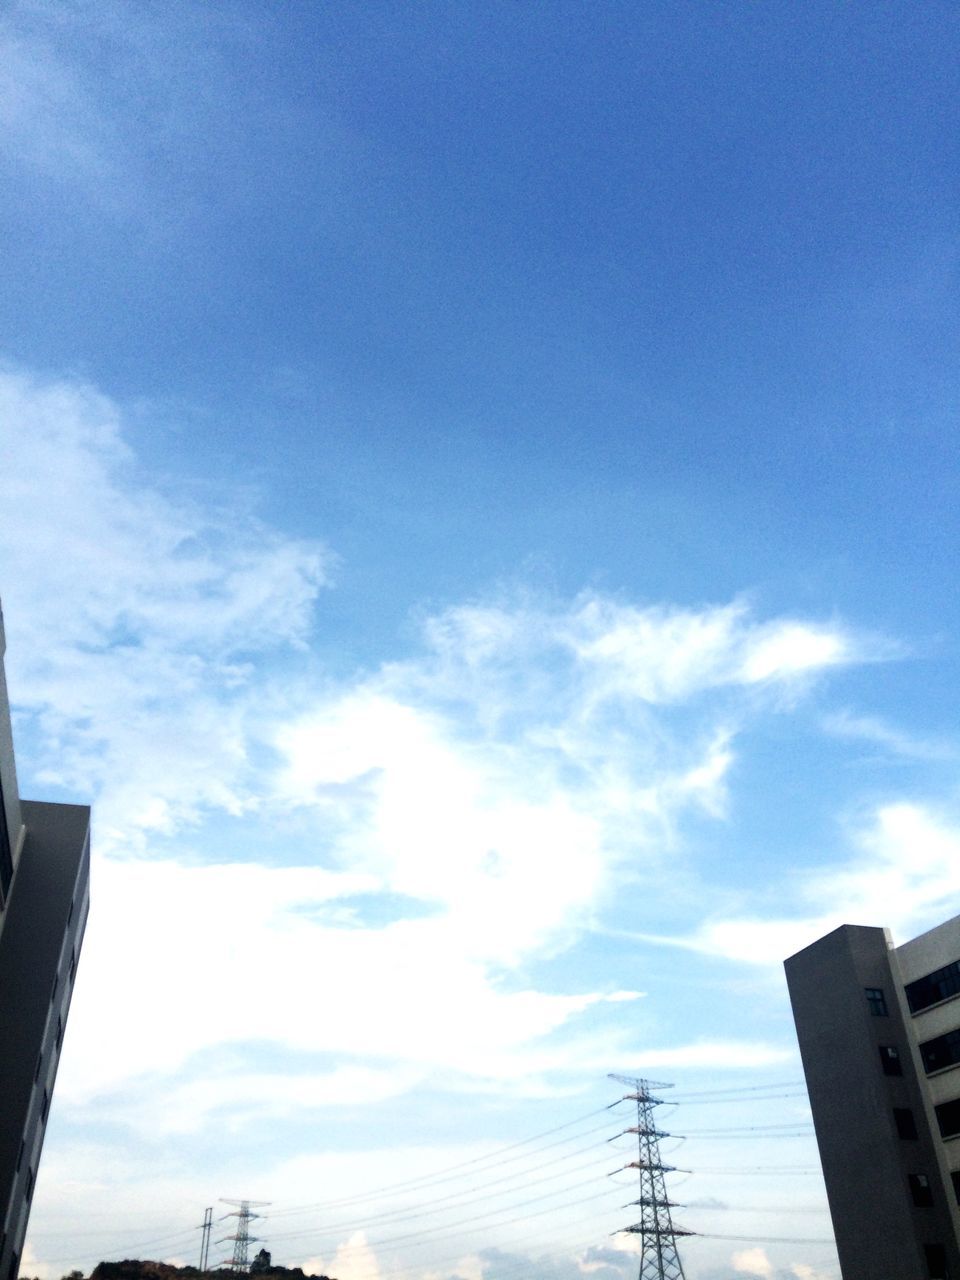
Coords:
pixel 480 524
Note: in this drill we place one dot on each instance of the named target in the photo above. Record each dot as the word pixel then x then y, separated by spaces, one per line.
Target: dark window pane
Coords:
pixel 920 1190
pixel 943 1051
pixel 948 1117
pixel 955 1178
pixel 935 987
pixel 936 1261
pixel 906 1125
pixel 890 1060
pixel 877 1001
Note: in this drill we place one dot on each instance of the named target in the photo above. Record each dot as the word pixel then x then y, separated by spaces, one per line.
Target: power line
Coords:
pixel 441 1174
pixel 459 1197
pixel 770 1239
pixel 180 1237
pixel 464 1222
pixel 747 1089
pixel 775 1170
pixel 714 1102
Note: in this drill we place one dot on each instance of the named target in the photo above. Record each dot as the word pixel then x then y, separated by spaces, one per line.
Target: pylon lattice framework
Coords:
pixel 242 1239
pixel 659 1258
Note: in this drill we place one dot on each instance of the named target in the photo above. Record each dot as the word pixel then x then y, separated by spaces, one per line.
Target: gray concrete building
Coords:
pixel 879 1033
pixel 44 898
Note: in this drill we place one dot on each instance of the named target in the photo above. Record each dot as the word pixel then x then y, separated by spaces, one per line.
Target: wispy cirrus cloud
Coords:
pixel 886 739
pixel 500 781
pixel 134 615
pixel 904 873
pixel 112 104
pixel 415 843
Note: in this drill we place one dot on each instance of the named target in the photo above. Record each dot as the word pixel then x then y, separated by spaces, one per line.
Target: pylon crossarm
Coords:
pixel 642 1229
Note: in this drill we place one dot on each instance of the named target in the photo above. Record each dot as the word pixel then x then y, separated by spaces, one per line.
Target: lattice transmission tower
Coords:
pixel 242 1239
pixel 205 1238
pixel 659 1258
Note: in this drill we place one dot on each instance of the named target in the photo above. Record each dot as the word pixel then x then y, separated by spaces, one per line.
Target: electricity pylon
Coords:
pixel 659 1259
pixel 205 1238
pixel 242 1239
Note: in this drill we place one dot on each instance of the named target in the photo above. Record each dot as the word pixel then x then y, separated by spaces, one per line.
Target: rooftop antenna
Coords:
pixel 242 1239
pixel 659 1258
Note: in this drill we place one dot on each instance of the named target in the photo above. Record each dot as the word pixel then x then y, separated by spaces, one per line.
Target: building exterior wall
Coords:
pixel 43 912
pixel 11 824
pixel 872 1103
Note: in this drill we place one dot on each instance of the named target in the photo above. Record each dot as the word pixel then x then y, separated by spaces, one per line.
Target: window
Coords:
pixel 73 964
pixel 936 986
pixel 948 1118
pixel 29 1188
pixel 936 1261
pixel 920 1190
pixel 943 1051
pixel 45 1105
pixel 59 1032
pixel 955 1179
pixel 890 1060
pixel 877 1001
pixel 906 1125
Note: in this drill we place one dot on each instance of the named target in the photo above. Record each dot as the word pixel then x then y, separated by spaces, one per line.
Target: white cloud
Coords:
pixel 792 649
pixel 503 782
pixel 890 740
pixel 132 617
pixel 527 755
pixel 752 1262
pixel 353 1260
pixel 718 1054
pixel 905 876
pixel 31 1265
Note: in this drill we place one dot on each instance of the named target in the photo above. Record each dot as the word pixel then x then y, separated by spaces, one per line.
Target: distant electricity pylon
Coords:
pixel 242 1239
pixel 205 1238
pixel 659 1259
